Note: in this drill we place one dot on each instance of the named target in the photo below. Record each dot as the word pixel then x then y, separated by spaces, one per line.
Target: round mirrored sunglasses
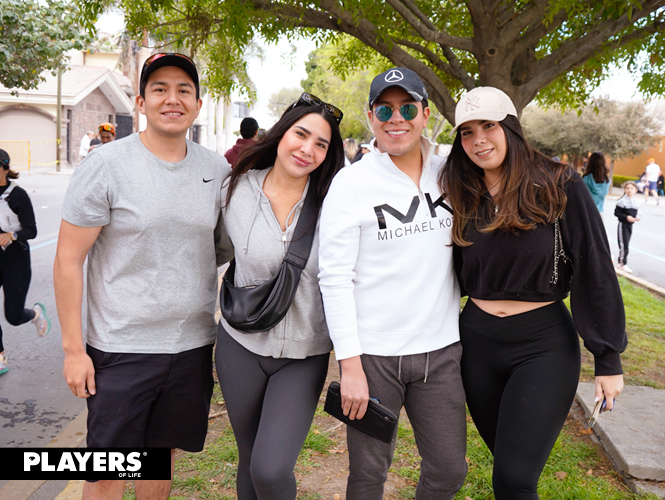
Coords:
pixel 408 112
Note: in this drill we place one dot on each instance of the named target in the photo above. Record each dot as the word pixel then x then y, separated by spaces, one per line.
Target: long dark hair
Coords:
pixel 597 167
pixel 530 188
pixel 262 154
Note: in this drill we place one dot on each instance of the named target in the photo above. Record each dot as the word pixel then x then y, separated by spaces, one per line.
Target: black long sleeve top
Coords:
pixel 504 266
pixel 19 202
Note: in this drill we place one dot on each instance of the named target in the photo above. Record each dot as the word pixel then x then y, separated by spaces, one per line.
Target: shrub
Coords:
pixel 618 180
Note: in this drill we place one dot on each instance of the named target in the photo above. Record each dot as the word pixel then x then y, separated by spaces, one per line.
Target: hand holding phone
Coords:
pixel 600 406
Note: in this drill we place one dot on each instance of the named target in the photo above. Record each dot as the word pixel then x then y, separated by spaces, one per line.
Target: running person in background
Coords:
pixel 627 211
pixel 515 212
pixel 17 226
pixel 652 173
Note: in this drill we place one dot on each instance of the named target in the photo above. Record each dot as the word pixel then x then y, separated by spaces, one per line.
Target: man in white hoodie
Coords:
pixel 390 294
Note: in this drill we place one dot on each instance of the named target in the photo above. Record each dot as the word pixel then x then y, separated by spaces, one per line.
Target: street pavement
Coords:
pixel 36 405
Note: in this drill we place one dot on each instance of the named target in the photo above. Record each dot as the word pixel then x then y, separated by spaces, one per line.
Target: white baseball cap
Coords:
pixel 483 103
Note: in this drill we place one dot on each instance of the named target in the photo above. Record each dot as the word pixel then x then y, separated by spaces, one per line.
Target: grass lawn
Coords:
pixel 578 469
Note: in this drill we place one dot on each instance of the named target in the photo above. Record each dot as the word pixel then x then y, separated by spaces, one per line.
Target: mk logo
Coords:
pixel 411 213
pixel 471 102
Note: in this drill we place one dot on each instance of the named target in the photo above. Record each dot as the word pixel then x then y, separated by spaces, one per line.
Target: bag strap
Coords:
pixel 303 235
pixel 4 195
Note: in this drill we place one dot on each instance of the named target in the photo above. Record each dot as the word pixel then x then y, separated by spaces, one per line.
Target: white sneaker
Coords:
pixel 626 268
pixel 4 367
pixel 41 321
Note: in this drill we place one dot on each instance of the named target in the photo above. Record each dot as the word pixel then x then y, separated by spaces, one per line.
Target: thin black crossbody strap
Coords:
pixel 303 235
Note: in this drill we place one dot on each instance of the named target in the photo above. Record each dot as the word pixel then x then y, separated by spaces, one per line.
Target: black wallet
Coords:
pixel 378 421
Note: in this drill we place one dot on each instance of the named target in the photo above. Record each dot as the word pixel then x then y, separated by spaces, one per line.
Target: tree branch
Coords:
pixel 431 35
pixel 575 53
pixel 456 69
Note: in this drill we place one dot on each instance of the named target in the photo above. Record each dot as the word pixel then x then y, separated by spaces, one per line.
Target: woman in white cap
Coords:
pixel 17 226
pixel 527 234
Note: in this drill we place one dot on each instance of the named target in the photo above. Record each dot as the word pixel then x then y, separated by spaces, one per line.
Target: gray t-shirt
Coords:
pixel 152 273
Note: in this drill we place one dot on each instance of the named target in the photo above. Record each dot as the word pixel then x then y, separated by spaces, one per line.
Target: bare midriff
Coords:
pixel 503 308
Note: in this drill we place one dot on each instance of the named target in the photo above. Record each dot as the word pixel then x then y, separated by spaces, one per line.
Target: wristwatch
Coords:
pixel 14 237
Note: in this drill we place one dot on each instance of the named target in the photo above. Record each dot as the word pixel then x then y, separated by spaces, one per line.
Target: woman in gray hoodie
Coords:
pixel 271 381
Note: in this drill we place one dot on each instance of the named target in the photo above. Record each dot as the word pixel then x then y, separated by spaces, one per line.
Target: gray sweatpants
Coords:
pixel 429 386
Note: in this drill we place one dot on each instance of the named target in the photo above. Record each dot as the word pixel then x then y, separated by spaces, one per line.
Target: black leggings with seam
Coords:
pixel 520 375
pixel 271 404
pixel 15 275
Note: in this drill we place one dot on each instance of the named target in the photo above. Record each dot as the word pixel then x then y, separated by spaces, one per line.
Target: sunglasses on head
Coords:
pixel 154 57
pixel 408 112
pixel 106 128
pixel 312 100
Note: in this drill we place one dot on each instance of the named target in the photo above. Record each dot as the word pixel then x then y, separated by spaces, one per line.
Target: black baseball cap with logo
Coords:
pixel 156 61
pixel 4 159
pixel 398 77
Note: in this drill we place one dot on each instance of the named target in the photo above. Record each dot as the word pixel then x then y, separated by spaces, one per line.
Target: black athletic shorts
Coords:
pixel 150 400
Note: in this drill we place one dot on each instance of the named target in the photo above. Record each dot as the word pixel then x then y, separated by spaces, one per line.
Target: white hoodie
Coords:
pixel 385 260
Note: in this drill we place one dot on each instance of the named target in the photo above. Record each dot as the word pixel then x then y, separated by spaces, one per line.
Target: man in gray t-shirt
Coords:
pixel 145 210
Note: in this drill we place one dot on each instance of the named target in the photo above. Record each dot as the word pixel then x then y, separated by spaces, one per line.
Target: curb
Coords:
pixel 641 282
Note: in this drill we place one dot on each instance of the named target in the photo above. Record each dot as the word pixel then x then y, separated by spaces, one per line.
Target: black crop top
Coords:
pixel 505 266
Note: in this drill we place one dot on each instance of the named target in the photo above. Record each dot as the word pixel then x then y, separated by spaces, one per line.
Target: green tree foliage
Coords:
pixel 617 129
pixel 280 100
pixel 555 51
pixel 34 35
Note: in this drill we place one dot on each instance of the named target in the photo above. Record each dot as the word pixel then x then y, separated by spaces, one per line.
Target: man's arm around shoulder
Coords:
pixel 73 245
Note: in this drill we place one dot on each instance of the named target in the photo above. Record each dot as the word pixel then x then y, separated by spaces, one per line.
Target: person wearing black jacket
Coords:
pixel 526 233
pixel 17 226
pixel 627 211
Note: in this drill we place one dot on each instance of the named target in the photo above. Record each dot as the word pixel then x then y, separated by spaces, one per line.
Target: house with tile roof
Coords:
pixel 90 95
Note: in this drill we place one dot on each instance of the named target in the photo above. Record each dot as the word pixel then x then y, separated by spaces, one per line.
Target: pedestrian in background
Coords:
pixel 652 173
pixel 85 143
pixel 106 135
pixel 628 212
pixel 526 235
pixel 249 130
pixel 17 226
pixel 597 179
pixel 350 150
pixel 272 380
pixel 659 185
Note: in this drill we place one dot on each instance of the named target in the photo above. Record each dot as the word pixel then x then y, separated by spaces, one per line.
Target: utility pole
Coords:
pixel 58 126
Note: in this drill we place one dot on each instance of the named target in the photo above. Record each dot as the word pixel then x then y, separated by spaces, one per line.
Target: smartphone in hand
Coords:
pixel 600 406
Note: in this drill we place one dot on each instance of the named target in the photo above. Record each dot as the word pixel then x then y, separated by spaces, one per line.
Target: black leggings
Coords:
pixel 271 404
pixel 624 233
pixel 15 274
pixel 520 374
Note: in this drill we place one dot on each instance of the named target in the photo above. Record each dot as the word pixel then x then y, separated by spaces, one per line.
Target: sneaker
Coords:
pixel 4 367
pixel 41 321
pixel 626 268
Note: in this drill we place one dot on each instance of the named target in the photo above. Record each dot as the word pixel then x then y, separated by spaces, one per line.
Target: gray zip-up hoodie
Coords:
pixel 259 247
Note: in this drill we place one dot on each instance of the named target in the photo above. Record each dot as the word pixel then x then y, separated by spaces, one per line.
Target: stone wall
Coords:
pixel 77 120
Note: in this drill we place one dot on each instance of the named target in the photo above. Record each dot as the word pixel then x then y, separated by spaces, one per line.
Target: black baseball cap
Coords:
pixel 398 77
pixel 156 61
pixel 4 159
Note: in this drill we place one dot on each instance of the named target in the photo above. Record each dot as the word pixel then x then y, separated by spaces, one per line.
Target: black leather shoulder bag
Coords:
pixel 254 309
